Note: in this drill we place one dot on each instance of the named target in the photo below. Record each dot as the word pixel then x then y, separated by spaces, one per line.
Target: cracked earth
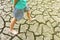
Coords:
pixel 45 26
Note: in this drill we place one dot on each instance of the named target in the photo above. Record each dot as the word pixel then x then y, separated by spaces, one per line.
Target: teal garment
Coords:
pixel 21 4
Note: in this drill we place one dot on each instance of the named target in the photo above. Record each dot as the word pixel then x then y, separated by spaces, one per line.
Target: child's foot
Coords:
pixel 13 32
pixel 33 19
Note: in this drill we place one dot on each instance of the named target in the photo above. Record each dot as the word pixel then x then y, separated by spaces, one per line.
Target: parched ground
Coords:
pixel 45 26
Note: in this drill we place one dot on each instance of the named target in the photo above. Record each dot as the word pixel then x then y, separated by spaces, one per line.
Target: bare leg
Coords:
pixel 28 15
pixel 13 21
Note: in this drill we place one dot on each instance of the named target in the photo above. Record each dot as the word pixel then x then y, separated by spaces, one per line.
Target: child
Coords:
pixel 19 7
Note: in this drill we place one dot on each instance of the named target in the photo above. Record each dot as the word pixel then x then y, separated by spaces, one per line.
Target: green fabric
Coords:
pixel 21 4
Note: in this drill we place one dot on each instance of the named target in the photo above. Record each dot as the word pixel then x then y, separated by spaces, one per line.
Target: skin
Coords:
pixel 15 1
pixel 13 21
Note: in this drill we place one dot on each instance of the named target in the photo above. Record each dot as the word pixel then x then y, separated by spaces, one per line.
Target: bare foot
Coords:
pixel 13 32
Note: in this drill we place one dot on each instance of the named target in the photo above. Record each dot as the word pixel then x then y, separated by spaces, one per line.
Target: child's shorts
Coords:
pixel 19 13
